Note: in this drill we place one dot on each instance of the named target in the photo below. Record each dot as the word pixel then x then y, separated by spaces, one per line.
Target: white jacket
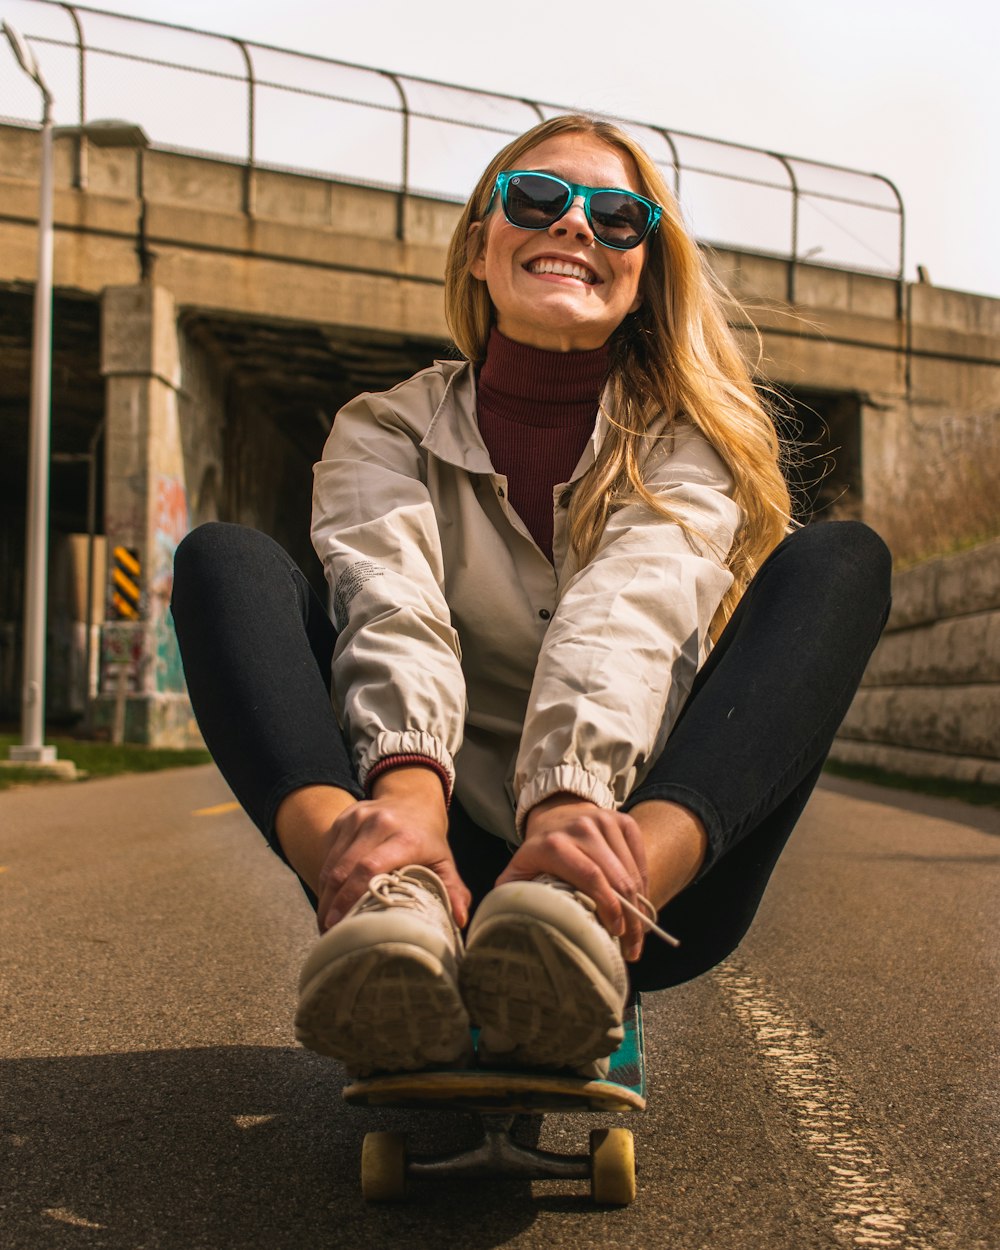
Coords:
pixel 460 641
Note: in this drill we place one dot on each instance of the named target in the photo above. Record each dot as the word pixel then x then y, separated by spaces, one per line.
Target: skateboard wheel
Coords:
pixel 612 1166
pixel 383 1167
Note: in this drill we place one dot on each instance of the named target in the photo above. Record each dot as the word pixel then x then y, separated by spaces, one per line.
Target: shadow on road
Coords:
pixel 216 1147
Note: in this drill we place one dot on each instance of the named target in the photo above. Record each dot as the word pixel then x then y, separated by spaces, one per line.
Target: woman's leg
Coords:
pixel 257 646
pixel 755 731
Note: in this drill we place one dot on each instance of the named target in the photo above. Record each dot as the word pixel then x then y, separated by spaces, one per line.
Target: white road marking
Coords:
pixel 68 1217
pixel 868 1209
pixel 251 1121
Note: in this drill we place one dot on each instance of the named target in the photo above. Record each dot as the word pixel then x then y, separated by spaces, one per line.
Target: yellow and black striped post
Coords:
pixel 125 584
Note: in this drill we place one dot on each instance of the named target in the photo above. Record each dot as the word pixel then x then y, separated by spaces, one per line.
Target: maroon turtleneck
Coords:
pixel 536 411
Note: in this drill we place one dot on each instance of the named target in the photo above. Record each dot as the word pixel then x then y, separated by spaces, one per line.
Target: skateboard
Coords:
pixel 496 1098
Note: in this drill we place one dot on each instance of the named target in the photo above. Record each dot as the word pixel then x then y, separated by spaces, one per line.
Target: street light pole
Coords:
pixel 32 749
pixel 104 133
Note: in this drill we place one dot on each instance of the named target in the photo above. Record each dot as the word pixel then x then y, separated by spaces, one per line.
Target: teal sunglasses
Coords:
pixel 534 201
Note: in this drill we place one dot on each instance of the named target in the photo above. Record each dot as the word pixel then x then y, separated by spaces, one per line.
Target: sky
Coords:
pixel 904 88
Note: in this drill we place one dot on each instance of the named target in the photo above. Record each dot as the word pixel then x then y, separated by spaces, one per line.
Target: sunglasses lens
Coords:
pixel 534 201
pixel 619 220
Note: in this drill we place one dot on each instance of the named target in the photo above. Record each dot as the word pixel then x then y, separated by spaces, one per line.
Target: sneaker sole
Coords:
pixel 537 997
pixel 391 1007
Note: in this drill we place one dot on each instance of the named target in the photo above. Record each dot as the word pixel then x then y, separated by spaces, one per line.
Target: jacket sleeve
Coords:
pixel 398 686
pixel 629 633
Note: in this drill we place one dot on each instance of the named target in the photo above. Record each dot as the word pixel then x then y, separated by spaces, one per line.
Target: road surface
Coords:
pixel 834 1084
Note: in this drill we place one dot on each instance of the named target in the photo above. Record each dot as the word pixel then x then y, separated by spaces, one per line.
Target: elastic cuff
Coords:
pixel 563 779
pixel 388 762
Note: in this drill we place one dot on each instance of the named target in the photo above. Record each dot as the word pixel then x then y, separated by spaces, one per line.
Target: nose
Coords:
pixel 573 221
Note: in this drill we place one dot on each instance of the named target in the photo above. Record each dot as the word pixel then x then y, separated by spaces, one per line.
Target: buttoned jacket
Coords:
pixel 460 641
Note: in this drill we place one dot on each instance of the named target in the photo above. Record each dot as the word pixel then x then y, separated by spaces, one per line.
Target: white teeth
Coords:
pixel 565 268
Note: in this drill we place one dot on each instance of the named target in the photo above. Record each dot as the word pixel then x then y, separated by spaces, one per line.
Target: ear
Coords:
pixel 475 245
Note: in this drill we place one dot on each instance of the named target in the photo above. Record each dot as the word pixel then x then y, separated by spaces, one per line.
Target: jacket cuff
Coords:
pixel 411 742
pixel 566 778
pixel 388 762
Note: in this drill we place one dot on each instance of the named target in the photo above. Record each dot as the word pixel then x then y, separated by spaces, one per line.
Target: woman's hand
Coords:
pixel 405 822
pixel 595 850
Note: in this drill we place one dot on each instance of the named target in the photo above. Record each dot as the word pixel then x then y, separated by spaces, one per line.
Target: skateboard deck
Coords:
pixel 496 1097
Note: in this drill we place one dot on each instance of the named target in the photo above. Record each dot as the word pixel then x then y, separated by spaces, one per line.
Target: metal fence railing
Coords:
pixel 269 108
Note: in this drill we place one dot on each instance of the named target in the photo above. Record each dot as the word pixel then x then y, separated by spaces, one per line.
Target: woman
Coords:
pixel 531 552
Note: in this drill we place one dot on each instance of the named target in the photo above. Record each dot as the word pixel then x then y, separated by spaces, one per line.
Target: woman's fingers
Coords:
pixel 599 852
pixel 372 838
pixel 625 842
pixel 458 893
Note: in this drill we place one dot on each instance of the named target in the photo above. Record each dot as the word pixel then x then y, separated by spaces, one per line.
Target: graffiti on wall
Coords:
pixel 170 524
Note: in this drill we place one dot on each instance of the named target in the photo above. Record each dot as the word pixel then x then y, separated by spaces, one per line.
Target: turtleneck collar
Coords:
pixel 536 387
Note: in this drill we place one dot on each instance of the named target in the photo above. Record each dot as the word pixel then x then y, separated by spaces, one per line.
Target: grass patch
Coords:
pixel 939 787
pixel 100 759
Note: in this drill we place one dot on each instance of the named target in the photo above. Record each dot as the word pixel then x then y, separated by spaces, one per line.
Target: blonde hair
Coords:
pixel 675 357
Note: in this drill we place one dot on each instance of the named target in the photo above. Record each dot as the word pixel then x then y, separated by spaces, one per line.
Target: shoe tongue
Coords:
pixel 557 883
pixel 546 878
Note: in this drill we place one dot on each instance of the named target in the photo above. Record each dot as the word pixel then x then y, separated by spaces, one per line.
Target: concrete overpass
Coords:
pixel 204 340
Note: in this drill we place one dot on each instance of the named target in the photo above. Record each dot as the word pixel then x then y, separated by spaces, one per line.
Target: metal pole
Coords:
pixel 36 555
pixel 88 688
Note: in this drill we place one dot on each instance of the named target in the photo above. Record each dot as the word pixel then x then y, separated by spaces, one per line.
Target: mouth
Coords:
pixel 563 269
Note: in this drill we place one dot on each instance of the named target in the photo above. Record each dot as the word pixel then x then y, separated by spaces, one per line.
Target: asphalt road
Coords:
pixel 834 1084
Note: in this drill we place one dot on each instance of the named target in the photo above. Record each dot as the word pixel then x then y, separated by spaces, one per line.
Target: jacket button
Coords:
pixel 544 613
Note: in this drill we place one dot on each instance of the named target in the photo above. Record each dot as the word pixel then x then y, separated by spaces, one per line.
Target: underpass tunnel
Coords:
pixel 279 386
pixel 252 404
pixel 821 432
pixel 75 486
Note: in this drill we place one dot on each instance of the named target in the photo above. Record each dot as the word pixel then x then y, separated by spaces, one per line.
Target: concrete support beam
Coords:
pixel 146 512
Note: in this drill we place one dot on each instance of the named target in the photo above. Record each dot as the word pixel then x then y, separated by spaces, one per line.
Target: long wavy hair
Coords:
pixel 675 357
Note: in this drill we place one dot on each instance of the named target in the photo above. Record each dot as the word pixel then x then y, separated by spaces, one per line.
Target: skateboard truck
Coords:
pixel 609 1166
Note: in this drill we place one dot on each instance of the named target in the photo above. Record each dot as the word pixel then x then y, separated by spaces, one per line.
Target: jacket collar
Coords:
pixel 453 434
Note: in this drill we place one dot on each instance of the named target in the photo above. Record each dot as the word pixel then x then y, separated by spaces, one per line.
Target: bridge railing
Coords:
pixel 270 108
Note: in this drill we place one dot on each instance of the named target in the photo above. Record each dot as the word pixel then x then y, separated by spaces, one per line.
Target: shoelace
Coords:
pixel 399 889
pixel 648 920
pixel 403 888
pixel 648 917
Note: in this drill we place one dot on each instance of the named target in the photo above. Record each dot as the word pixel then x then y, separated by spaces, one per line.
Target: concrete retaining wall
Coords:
pixel 929 704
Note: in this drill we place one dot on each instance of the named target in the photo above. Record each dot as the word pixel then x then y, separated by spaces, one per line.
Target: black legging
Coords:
pixel 745 754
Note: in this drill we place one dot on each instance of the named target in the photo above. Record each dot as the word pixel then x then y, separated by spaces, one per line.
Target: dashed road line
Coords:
pixel 218 809
pixel 252 1121
pixel 65 1216
pixel 868 1209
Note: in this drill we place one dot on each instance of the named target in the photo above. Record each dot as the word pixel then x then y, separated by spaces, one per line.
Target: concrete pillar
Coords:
pixel 146 512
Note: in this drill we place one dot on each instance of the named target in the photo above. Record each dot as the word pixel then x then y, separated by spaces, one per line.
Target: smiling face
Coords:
pixel 558 288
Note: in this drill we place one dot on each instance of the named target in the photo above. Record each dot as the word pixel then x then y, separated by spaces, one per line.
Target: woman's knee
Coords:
pixel 219 551
pixel 217 543
pixel 848 555
pixel 221 568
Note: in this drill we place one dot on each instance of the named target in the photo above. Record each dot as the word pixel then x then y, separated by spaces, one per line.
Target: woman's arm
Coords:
pixel 398 685
pixel 615 668
pixel 397 676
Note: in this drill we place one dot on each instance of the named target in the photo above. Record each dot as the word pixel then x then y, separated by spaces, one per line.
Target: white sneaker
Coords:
pixel 543 978
pixel 379 991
